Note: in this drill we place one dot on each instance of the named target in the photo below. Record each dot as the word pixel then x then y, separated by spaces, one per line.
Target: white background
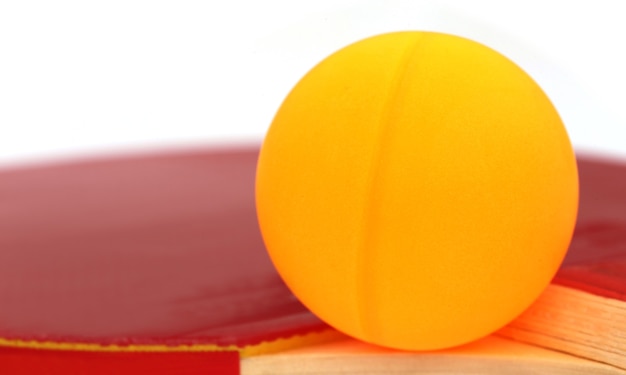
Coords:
pixel 90 77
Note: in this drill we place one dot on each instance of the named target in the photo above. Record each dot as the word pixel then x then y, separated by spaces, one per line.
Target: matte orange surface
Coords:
pixel 417 190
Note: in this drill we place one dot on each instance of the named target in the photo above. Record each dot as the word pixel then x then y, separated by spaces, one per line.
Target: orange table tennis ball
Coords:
pixel 417 190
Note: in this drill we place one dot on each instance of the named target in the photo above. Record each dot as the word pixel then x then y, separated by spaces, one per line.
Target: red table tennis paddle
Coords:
pixel 155 263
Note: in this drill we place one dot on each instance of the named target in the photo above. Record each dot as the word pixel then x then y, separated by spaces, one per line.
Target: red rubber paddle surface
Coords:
pixel 165 250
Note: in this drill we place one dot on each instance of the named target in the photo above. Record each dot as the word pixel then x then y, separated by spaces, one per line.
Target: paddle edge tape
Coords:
pixel 264 347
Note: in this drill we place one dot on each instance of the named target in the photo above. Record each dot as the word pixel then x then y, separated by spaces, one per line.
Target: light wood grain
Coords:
pixel 491 355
